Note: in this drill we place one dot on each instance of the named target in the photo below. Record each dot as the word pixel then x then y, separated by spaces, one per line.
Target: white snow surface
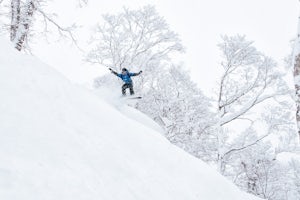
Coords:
pixel 59 141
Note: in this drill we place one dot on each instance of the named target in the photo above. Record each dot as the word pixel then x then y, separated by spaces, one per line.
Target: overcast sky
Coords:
pixel 271 24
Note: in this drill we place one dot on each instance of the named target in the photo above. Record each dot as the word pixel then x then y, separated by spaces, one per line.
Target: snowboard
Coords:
pixel 135 97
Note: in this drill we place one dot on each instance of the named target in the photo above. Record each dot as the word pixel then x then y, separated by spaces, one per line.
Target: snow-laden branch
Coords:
pixel 245 146
pixel 246 108
pixel 249 79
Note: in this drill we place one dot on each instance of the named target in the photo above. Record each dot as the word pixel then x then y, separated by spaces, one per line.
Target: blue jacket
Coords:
pixel 126 78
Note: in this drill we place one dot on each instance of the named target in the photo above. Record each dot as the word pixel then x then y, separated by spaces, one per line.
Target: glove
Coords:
pixel 110 69
pixel 140 72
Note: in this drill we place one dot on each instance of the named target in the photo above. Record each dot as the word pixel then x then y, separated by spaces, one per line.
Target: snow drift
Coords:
pixel 60 141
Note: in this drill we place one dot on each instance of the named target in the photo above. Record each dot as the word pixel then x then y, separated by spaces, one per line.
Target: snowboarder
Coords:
pixel 125 76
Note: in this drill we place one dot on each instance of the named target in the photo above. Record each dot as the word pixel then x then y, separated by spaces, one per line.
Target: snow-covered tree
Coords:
pixel 176 103
pixel 253 93
pixel 21 21
pixel 256 168
pixel 133 39
pixel 15 18
pixel 249 79
pixel 23 14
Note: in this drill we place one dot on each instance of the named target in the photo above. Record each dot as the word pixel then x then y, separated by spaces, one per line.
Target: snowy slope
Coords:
pixel 61 142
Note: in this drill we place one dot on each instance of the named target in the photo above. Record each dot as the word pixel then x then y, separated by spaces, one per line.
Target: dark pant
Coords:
pixel 125 86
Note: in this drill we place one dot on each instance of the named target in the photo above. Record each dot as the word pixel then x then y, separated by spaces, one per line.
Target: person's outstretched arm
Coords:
pixel 135 74
pixel 115 73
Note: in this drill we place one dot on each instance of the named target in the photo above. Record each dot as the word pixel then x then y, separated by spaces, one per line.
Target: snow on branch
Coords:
pixel 249 79
pixel 245 146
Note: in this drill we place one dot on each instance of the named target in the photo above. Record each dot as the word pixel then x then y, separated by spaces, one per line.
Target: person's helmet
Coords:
pixel 124 70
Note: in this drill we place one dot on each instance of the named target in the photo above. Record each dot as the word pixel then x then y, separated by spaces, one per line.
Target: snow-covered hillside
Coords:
pixel 61 142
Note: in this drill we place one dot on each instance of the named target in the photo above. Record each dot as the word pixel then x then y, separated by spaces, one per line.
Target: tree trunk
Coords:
pixel 25 25
pixel 296 65
pixel 15 18
pixel 297 89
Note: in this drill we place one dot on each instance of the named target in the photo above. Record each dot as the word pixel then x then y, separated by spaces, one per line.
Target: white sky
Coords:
pixel 200 23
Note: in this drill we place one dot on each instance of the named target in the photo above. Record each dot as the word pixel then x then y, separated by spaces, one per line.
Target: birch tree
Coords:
pixel 24 13
pixel 21 21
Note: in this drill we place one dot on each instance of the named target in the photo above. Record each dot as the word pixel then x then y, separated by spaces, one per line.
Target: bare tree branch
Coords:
pixel 63 31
